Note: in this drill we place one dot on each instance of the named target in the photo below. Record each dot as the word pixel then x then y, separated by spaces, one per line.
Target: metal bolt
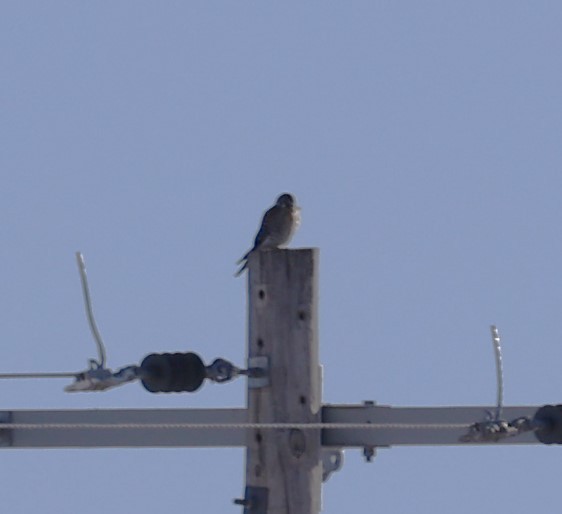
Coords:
pixel 243 502
pixel 369 453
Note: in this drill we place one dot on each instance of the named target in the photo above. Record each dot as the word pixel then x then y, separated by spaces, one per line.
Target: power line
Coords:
pixel 232 426
pixel 55 374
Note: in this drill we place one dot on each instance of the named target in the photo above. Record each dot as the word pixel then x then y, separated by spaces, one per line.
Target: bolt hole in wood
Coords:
pixel 302 315
pixel 261 294
pixel 302 400
pixel 260 343
pixel 259 437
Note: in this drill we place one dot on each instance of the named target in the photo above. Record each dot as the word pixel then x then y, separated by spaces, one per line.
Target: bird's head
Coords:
pixel 286 200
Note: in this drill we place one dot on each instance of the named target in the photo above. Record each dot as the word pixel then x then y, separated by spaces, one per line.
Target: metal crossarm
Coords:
pixel 342 426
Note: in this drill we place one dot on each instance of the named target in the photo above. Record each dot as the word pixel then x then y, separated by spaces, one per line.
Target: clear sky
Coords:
pixel 423 142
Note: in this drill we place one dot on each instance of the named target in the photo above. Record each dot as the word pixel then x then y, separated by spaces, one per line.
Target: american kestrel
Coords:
pixel 277 227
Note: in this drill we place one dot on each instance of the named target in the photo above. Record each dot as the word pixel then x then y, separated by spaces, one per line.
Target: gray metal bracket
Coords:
pixel 258 372
pixel 332 460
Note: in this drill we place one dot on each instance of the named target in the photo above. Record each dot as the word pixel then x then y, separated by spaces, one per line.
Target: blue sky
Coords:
pixel 423 143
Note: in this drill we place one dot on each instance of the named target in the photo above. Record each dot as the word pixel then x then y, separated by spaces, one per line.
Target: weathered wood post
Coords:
pixel 283 466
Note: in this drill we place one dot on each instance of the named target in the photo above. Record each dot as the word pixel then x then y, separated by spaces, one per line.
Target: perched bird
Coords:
pixel 277 227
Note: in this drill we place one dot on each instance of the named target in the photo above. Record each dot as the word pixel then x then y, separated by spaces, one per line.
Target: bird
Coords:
pixel 277 227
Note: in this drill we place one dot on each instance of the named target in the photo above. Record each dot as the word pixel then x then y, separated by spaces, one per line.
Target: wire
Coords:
pixel 232 426
pixel 62 374
pixel 499 369
pixel 89 310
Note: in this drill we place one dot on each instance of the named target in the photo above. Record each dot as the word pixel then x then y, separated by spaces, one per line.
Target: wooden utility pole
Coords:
pixel 283 466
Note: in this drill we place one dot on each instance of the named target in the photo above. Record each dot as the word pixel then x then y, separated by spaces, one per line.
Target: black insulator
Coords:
pixel 548 420
pixel 156 372
pixel 172 372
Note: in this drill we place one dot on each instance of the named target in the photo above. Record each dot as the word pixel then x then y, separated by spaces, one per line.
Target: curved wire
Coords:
pixel 89 311
pixel 499 369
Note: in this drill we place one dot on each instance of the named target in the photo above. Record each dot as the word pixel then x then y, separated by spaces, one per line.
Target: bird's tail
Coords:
pixel 242 268
pixel 244 261
pixel 244 258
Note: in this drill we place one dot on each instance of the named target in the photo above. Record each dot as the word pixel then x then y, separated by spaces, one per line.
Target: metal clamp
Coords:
pixel 98 378
pixel 494 429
